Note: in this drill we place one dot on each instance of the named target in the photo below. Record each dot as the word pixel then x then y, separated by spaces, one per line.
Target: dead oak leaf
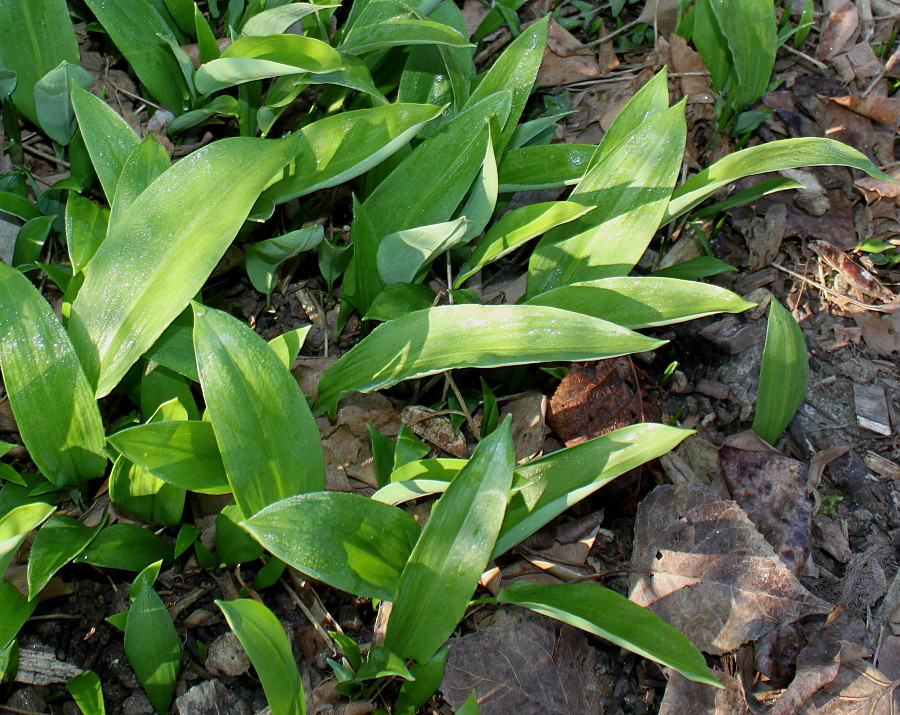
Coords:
pixel 701 565
pixel 565 60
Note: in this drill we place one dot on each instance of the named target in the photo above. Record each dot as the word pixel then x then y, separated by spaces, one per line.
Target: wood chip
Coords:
pixel 872 409
pixel 39 666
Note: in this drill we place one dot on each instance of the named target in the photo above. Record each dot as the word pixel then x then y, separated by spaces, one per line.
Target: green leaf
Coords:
pixel 253 58
pixel 87 693
pixel 546 487
pixel 52 103
pixel 515 71
pixel 341 147
pixel 15 526
pixel 153 647
pixel 516 228
pixel 470 707
pixel 30 241
pixel 267 646
pixel 138 30
pixel 174 349
pixel 144 164
pixel 86 224
pixel 630 188
pixel 643 302
pixel 544 166
pixel 127 547
pixel 453 551
pixel 398 299
pixel 206 39
pixel 264 257
pixel 17 206
pixel 39 35
pixel 60 540
pixel 400 32
pixel 153 262
pixel 16 610
pixel 143 494
pixel 403 254
pixel 268 438
pixel 41 368
pixel 278 19
pixel 233 544
pixel 783 376
pixel 607 614
pixel 773 156
pixel 454 336
pixel 109 138
pixel 348 541
pixel 287 345
pixel 427 679
pixel 700 267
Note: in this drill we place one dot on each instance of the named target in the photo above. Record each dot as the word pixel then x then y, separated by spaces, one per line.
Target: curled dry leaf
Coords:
pixel 528 424
pixel 885 110
pixel 702 566
pixel 686 696
pixel 857 276
pixel 566 60
pixel 773 490
pixel 840 30
pixel 523 668
pixel 433 428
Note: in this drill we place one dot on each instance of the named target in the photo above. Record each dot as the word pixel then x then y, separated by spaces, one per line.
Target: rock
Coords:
pixel 137 704
pixel 210 698
pixel 227 657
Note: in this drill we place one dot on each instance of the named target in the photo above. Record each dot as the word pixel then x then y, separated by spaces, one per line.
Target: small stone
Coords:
pixel 137 704
pixel 713 389
pixel 210 698
pixel 227 657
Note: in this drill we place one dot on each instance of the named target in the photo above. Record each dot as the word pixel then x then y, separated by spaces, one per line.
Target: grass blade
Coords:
pixel 783 376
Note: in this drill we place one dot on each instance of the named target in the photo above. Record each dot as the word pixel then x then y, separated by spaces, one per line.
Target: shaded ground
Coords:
pixel 818 525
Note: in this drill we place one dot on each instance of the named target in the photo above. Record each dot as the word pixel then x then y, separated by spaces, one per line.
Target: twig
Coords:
pixel 44 155
pixel 136 97
pixel 887 308
pixel 462 404
pixel 803 55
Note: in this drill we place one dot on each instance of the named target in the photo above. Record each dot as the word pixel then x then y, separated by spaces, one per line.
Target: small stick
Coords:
pixel 887 308
pixel 44 155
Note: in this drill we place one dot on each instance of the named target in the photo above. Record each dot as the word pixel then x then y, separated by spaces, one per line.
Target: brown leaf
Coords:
pixel 880 109
pixel 881 332
pixel 566 60
pixel 598 397
pixel 523 668
pixel 841 28
pixel 702 566
pixel 685 696
pixel 696 87
pixel 435 429
pixel 772 489
pixel 528 426
pixel 857 276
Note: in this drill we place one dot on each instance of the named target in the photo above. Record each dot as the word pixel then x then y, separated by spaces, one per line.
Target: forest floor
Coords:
pixel 790 581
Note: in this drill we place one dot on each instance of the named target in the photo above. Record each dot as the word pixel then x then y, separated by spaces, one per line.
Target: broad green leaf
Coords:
pixel 470 707
pixel 108 138
pixel 650 99
pixel 353 74
pixel 268 438
pixel 15 526
pixel 86 224
pixel 336 149
pixel 252 58
pixel 153 647
pixel 403 254
pixel 362 281
pixel 16 609
pixel 17 206
pixel 223 104
pixel 515 70
pixel 482 200
pixel 138 30
pixel 544 166
pixel 763 187
pixel 264 257
pixel 160 385
pixel 268 648
pixel 278 19
pixel 127 547
pixel 607 614
pixel 643 302
pixel 41 368
pixel 398 299
pixel 52 103
pixel 174 349
pixel 153 262
pixel 400 32
pixel 145 495
pixel 206 39
pixel 454 336
pixel 429 184
pixel 233 544
pixel 399 492
pixel 87 693
pixel 427 679
pixel 60 540
pixel 630 188
pixel 700 267
pixel 783 376
pixel 773 156
pixel 30 240
pixel 144 164
pixel 38 36
pixel 453 551
pixel 348 541
pixel 287 345
pixel 546 487
pixel 516 228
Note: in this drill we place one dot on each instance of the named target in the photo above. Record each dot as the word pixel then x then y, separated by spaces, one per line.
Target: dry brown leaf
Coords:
pixel 702 566
pixel 772 489
pixel 857 276
pixel 528 426
pixel 435 429
pixel 880 188
pixel 885 110
pixel 597 397
pixel 859 688
pixel 523 668
pixel 841 28
pixel 881 332
pixel 687 60
pixel 566 60
pixel 685 696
